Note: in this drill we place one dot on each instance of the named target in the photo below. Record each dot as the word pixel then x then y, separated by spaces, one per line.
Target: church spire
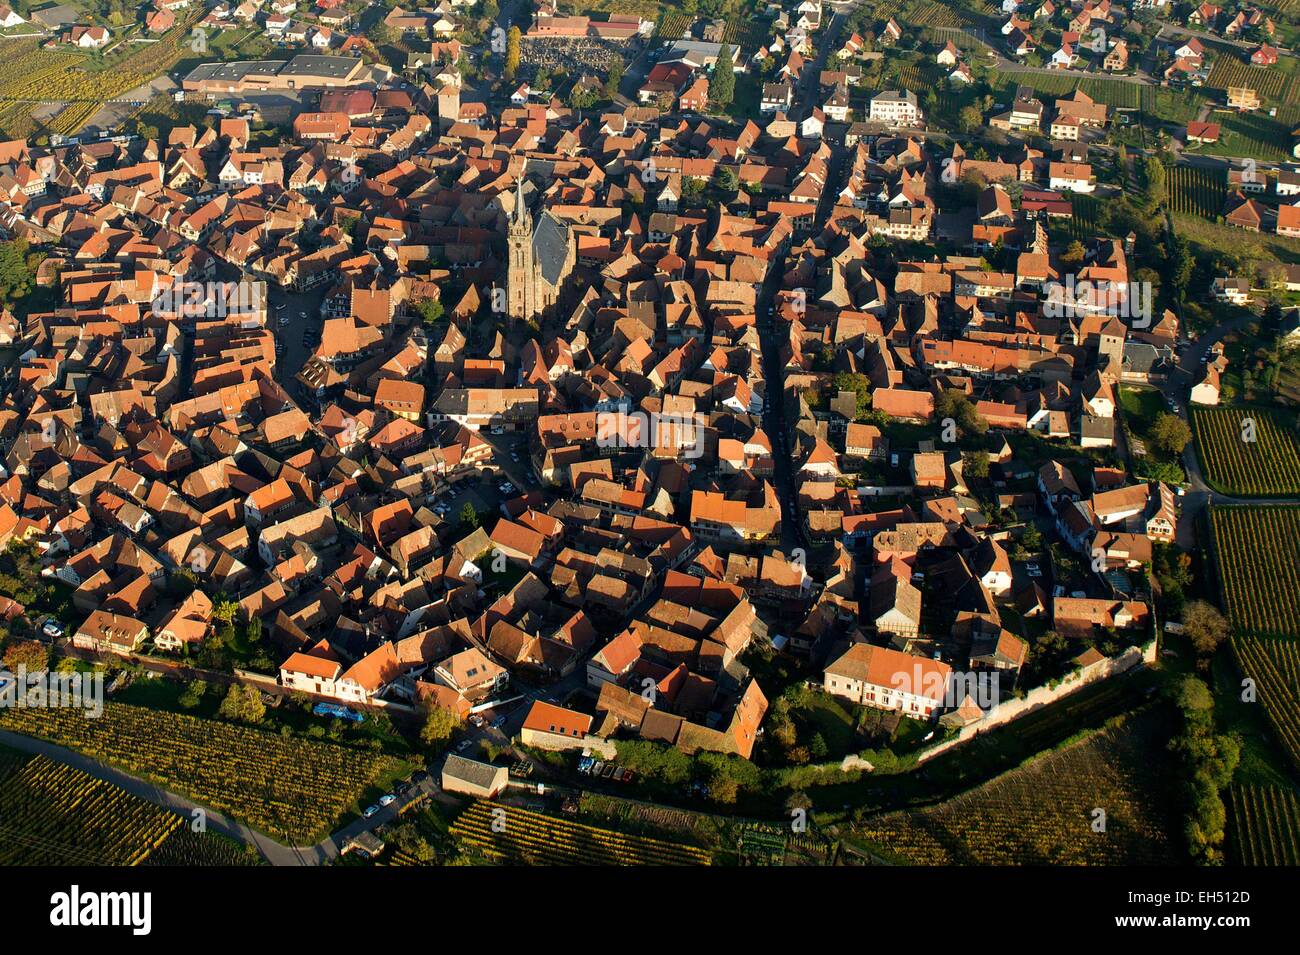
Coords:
pixel 520 217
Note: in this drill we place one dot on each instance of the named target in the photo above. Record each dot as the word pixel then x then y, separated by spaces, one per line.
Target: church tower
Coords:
pixel 520 297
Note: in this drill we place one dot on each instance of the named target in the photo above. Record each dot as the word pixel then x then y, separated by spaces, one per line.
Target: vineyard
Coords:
pixel 1045 812
pixel 1274 666
pixel 35 74
pixel 1230 70
pixel 1265 825
pixel 51 814
pixel 1197 191
pixel 1268 466
pixel 1258 551
pixel 189 848
pixel 289 788
pixel 533 838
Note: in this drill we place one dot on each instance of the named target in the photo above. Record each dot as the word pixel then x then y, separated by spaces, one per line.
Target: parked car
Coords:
pixel 52 629
pixel 370 811
pixel 387 799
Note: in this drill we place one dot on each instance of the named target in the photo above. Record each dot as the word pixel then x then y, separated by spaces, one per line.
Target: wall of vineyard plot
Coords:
pixel 1267 466
pixel 290 788
pixel 1042 696
pixel 1264 825
pixel 1047 811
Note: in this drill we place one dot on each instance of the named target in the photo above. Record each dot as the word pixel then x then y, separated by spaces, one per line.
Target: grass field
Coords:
pixel 1210 236
pixel 1268 466
pixel 1046 812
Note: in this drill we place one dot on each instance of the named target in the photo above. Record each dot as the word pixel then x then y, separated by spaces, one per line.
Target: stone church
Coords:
pixel 541 257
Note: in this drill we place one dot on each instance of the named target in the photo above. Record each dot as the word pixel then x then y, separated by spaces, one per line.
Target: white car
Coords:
pixel 52 629
pixel 387 800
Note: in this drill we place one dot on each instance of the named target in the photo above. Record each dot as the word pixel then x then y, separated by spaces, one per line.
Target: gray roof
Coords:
pixel 470 771
pixel 551 242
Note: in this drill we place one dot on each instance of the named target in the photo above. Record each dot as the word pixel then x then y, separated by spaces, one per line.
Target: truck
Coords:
pixel 335 710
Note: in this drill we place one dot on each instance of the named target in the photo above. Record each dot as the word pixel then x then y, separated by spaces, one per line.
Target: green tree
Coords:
pixel 722 84
pixel 243 704
pixel 193 694
pixel 32 655
pixel 468 515
pixel 975 464
pixel 1170 433
pixel 439 725
pixel 614 77
pixel 18 265
pixel 430 310
pixel 1155 185
pixel 857 383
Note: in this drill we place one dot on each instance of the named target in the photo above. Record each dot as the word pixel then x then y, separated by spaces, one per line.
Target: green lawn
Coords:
pixel 1141 407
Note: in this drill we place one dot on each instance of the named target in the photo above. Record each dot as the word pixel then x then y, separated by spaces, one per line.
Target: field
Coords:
pixel 85 83
pixel 1206 237
pixel 1265 824
pixel 533 838
pixel 1251 134
pixel 1269 466
pixel 1274 666
pixel 51 814
pixel 290 788
pixel 1258 550
pixel 1270 84
pixel 1197 191
pixel 1044 811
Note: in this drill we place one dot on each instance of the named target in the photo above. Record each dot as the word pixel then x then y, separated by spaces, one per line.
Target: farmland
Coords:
pixel 1265 824
pixel 51 814
pixel 1258 550
pixel 1274 667
pixel 289 788
pixel 1197 191
pixel 1257 135
pixel 1044 811
pixel 534 838
pixel 1268 466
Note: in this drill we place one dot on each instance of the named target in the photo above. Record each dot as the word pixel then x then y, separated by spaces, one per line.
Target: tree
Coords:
pixel 1205 626
pixel 224 608
pixel 18 266
pixel 860 384
pixel 722 84
pixel 31 655
pixel 1155 188
pixel 975 464
pixel 614 77
pixel 513 40
pixel 954 404
pixel 1170 433
pixel 430 310
pixel 439 725
pixel 468 515
pixel 243 703
pixel 193 694
pixel 1073 254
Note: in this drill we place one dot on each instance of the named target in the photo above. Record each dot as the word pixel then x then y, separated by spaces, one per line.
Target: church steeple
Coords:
pixel 521 220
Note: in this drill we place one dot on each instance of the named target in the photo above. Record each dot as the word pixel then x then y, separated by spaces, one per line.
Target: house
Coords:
pixel 312 671
pixel 1288 221
pixel 1202 133
pixel 776 98
pixel 865 441
pixel 948 56
pixel 89 38
pixel 104 632
pixel 470 777
pixel 1071 176
pixel 552 727
pixel 1264 55
pixel 160 21
pixel 895 108
pixel 1234 291
pixel 1116 58
pixel 888 679
pixel 8 18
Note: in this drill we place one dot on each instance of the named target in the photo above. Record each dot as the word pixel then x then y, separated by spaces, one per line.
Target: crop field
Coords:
pixel 51 814
pixel 1251 134
pixel 189 848
pixel 933 14
pixel 1229 70
pixel 1046 812
pixel 1273 665
pixel 672 25
pixel 1197 191
pixel 534 838
pixel 1258 550
pixel 1265 823
pixel 289 788
pixel 1268 466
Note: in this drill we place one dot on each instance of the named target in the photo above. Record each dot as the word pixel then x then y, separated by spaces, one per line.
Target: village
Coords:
pixel 564 392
